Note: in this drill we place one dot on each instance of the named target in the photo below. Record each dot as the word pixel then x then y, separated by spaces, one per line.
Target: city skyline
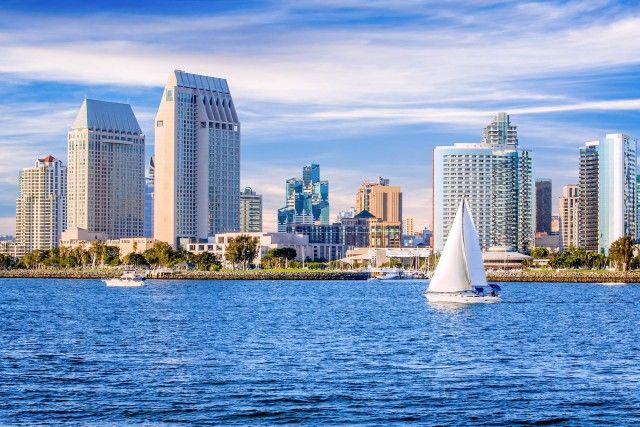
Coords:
pixel 563 87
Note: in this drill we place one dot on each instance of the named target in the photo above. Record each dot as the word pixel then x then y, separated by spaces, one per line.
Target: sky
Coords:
pixel 364 88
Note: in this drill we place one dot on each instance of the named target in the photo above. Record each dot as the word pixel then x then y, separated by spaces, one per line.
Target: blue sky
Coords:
pixel 363 88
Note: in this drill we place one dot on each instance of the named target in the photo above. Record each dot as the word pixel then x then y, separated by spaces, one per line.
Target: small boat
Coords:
pixel 460 276
pixel 129 279
pixel 387 274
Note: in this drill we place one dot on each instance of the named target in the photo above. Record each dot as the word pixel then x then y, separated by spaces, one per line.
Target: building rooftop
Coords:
pixel 197 81
pixel 110 116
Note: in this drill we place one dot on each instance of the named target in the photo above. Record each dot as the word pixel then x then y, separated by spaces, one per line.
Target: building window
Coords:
pixel 159 123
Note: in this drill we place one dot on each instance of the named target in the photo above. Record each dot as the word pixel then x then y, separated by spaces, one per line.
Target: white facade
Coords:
pixel 105 190
pixel 617 196
pixel 41 207
pixel 78 237
pixel 497 181
pixel 197 160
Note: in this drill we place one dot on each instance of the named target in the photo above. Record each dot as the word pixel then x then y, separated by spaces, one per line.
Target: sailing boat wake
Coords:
pixel 460 276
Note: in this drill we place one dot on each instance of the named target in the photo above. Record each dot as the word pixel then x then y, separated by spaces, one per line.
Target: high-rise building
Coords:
pixel 197 160
pixel 568 207
pixel 617 172
pixel 382 200
pixel 408 227
pixel 307 199
pixel 250 211
pixel 148 199
pixel 608 207
pixel 543 206
pixel 41 212
pixel 588 197
pixel 496 178
pixel 105 189
pixel 500 132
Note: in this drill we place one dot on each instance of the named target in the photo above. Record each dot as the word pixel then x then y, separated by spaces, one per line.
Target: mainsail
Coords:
pixel 460 266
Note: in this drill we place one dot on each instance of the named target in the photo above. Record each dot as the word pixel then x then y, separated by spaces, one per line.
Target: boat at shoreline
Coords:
pixel 129 279
pixel 460 276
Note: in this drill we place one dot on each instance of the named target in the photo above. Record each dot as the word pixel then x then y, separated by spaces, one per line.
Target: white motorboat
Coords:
pixel 129 279
pixel 387 274
pixel 460 276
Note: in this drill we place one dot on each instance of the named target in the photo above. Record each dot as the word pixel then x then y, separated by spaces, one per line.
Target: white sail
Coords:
pixel 473 253
pixel 451 273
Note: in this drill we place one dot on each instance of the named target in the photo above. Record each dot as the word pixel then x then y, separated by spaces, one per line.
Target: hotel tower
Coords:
pixel 197 160
pixel 105 190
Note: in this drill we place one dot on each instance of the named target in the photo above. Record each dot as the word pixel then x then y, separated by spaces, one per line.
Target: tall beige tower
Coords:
pixel 197 160
pixel 569 215
pixel 41 206
pixel 382 200
pixel 105 192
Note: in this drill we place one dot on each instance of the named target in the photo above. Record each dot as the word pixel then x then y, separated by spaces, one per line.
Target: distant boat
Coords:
pixel 460 276
pixel 129 279
pixel 387 274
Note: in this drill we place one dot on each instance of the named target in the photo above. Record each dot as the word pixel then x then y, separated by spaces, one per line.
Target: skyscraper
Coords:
pixel 197 160
pixel 250 211
pixel 307 199
pixel 382 200
pixel 588 197
pixel 408 226
pixel 608 192
pixel 500 132
pixel 617 172
pixel 105 191
pixel 496 178
pixel 148 199
pixel 568 207
pixel 41 212
pixel 543 206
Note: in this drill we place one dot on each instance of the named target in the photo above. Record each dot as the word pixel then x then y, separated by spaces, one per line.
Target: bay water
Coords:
pixel 316 352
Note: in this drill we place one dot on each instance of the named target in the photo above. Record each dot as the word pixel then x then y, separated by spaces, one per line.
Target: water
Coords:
pixel 317 353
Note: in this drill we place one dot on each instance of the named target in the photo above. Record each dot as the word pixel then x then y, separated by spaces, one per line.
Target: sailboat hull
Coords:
pixel 461 297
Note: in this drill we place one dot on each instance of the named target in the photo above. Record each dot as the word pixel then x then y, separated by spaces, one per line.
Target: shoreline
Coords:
pixel 188 275
pixel 550 276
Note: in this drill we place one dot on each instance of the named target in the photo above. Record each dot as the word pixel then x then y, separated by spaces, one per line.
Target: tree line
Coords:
pixel 623 255
pixel 241 252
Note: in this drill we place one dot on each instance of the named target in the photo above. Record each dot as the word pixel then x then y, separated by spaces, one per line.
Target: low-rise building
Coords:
pixel 318 251
pixel 79 237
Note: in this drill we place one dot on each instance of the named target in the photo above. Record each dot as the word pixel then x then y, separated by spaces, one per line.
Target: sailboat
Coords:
pixel 460 276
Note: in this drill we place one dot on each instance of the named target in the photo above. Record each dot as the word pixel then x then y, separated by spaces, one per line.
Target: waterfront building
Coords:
pixel 569 202
pixel 78 237
pixel 617 198
pixel 250 211
pixel 588 197
pixel 543 206
pixel 105 187
pixel 9 248
pixel 148 199
pixel 307 199
pixel 496 178
pixel 305 250
pixel 197 160
pixel 350 232
pixel 41 206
